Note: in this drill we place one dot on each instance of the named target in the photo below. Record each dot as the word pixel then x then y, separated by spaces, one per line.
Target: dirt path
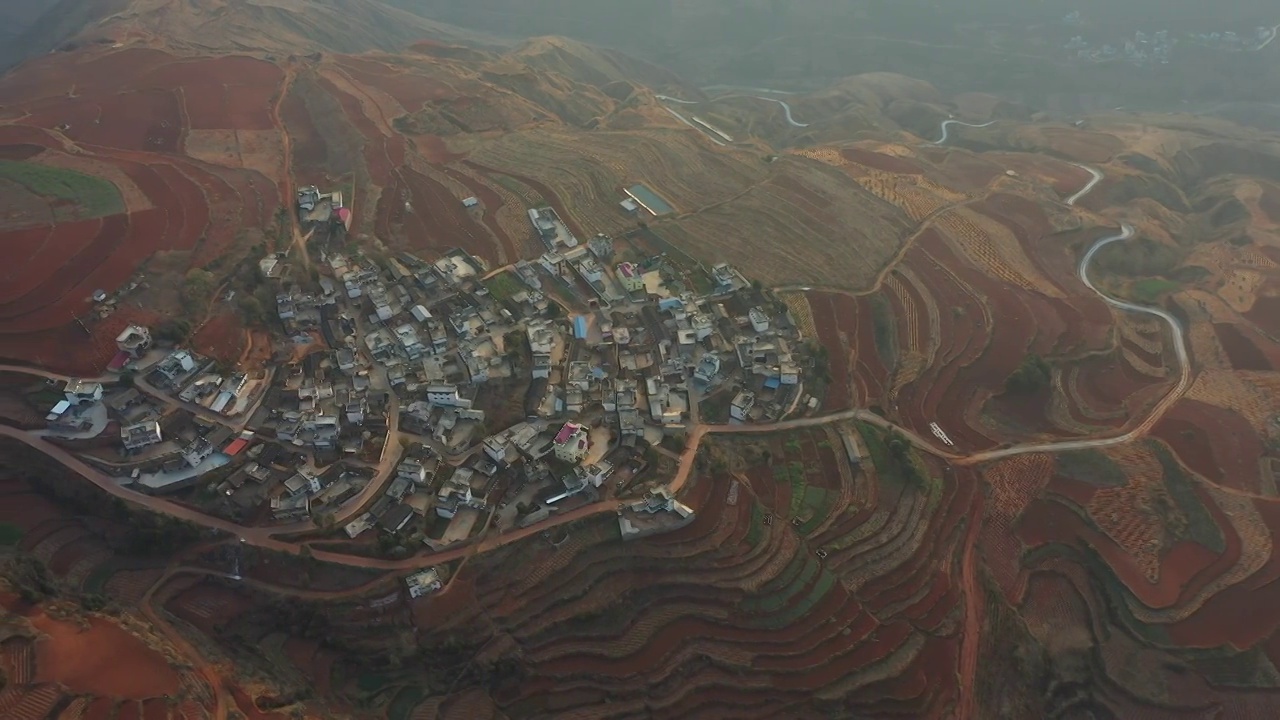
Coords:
pixel 974 614
pixel 184 647
pixel 288 198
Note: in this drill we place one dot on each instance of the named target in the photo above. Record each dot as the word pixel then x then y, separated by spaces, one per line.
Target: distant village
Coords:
pixel 427 401
pixel 1148 48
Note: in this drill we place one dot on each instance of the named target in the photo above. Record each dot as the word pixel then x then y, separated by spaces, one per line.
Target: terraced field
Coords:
pixel 1129 557
pixel 737 614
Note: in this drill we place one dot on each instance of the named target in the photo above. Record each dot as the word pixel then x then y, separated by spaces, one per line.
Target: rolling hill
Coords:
pixel 1083 540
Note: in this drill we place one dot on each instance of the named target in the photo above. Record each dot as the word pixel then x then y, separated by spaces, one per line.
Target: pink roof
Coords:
pixel 627 269
pixel 567 432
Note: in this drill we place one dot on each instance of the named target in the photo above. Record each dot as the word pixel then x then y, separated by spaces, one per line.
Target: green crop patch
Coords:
pixel 10 534
pixel 75 196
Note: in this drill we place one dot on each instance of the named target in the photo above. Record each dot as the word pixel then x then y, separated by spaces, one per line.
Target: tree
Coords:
pixel 251 310
pixel 1032 376
pixel 197 287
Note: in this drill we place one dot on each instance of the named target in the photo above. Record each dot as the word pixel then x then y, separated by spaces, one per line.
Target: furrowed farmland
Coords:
pixel 926 406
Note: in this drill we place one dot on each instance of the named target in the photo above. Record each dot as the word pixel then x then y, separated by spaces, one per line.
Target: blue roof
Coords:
pixel 580 327
pixel 773 383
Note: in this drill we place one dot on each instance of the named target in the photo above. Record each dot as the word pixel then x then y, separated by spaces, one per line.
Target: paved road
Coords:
pixel 265 537
pixel 1088 188
pixel 1270 40
pixel 785 107
pixel 946 129
pixel 1179 346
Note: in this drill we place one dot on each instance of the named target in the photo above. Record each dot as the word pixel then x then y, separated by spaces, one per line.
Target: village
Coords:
pixel 429 402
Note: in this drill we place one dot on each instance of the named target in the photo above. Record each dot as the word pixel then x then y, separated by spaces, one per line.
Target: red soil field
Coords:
pixel 450 224
pixel 64 242
pixel 1063 177
pixel 492 202
pixel 20 152
pixel 1214 442
pixel 971 172
pixel 1108 382
pixel 1044 522
pixel 552 199
pixel 187 201
pixel 128 710
pixel 1265 315
pixel 880 161
pixel 1242 351
pixel 155 709
pixel 16 249
pixel 221 338
pixel 377 153
pixel 148 119
pixel 48 348
pixel 857 321
pixel 310 151
pixel 102 660
pixel 232 92
pixel 412 91
pixel 837 394
pixel 100 709
pixel 208 606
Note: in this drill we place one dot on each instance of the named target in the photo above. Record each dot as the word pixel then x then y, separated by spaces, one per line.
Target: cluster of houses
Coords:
pixel 429 349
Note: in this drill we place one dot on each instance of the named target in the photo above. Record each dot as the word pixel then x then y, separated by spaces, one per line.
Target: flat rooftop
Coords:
pixel 649 200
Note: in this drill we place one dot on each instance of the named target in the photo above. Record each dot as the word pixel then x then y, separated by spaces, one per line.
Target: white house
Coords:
pixel 572 443
pixel 134 341
pixel 82 391
pixel 446 396
pixel 631 277
pixel 136 437
pixel 742 405
pixel 759 320
pixel 424 582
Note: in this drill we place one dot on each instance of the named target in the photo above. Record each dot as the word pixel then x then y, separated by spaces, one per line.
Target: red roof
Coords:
pixel 236 446
pixel 121 359
pixel 567 432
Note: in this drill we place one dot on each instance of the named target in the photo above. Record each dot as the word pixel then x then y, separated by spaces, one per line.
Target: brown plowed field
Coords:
pixel 412 91
pixel 1265 314
pixel 149 120
pixel 881 161
pixel 1241 349
pixel 102 660
pixel 1214 442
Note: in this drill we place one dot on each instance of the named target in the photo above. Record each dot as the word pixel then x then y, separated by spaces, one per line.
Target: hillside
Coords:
pixel 1035 467
pixel 278 26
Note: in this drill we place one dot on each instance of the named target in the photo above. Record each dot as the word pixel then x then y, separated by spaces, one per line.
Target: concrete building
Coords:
pixel 759 320
pixel 454 493
pixel 134 341
pixel 423 583
pixel 631 276
pixel 572 443
pixel 446 396
pixel 136 437
pixel 413 471
pixel 658 512
pixel 82 391
pixel 742 404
